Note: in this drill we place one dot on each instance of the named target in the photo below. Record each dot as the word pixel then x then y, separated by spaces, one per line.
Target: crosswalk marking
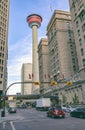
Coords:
pixel 4 125
pixel 12 125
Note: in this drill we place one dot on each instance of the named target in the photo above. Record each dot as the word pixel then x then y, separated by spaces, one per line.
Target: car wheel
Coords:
pixel 53 116
pixel 63 117
pixel 71 115
pixel 81 116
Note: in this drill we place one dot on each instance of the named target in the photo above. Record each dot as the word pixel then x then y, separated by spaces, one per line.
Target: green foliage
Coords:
pixel 64 99
pixel 75 99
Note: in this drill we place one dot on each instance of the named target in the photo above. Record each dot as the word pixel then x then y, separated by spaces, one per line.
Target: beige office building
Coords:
pixel 58 56
pixel 4 19
pixel 77 8
pixel 61 45
pixel 26 76
pixel 44 72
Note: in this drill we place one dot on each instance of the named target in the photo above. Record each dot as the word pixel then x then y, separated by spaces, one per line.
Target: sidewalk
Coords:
pixel 9 117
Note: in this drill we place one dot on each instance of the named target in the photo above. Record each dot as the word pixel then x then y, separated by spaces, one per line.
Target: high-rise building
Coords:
pixel 26 76
pixel 61 44
pixel 4 19
pixel 44 72
pixel 77 8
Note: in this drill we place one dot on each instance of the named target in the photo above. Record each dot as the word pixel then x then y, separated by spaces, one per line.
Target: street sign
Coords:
pixel 53 83
pixel 36 83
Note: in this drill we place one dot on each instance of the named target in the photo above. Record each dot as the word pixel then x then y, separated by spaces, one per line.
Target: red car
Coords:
pixel 56 112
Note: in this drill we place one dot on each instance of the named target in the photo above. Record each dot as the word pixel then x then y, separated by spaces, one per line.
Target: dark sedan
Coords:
pixel 56 112
pixel 78 112
pixel 12 110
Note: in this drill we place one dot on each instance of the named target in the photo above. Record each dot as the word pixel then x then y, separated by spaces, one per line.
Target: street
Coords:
pixel 30 119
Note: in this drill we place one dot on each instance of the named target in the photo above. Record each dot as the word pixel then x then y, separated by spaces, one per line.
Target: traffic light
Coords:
pixel 68 83
pixel 1 99
pixel 53 83
pixel 1 102
pixel 36 83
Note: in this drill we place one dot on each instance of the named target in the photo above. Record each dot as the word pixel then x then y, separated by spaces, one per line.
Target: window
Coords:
pixel 74 67
pixel 83 27
pixel 1 75
pixel 68 25
pixel 78 32
pixel 83 62
pixel 75 14
pixel 84 37
pixel 52 52
pixel 72 53
pixel 80 41
pixel 70 39
pixel 0 82
pixel 73 60
pixel 77 24
pixel 82 16
pixel 1 69
pixel 82 51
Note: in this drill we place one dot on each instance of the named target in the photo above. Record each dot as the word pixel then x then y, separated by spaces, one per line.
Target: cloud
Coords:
pixel 22 45
pixel 19 53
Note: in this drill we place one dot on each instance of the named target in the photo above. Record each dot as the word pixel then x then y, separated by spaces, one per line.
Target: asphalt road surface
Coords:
pixel 30 119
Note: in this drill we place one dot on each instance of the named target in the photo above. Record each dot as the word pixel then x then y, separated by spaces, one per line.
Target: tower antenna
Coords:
pixel 51 8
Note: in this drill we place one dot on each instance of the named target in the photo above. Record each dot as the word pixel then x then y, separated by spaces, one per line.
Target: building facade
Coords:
pixel 59 54
pixel 26 76
pixel 62 51
pixel 77 9
pixel 4 19
pixel 44 72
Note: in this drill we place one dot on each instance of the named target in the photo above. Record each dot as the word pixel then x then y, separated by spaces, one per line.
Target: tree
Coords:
pixel 75 99
pixel 64 99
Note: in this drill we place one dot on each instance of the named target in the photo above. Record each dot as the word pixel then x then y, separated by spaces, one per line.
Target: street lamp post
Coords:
pixel 7 90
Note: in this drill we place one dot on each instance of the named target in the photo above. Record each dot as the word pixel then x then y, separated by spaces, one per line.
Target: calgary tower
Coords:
pixel 34 21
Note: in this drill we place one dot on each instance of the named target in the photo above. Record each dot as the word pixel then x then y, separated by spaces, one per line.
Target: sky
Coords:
pixel 20 34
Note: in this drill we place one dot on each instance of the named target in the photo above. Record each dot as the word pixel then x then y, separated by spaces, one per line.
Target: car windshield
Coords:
pixel 58 108
pixel 79 109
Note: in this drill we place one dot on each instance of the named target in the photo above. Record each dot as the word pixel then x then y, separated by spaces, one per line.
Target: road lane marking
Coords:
pixel 32 120
pixel 12 125
pixel 4 125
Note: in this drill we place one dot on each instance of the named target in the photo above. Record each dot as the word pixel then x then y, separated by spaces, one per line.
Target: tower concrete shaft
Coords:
pixel 34 22
pixel 35 66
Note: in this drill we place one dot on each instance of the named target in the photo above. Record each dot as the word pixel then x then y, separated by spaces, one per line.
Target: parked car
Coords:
pixel 56 112
pixel 78 112
pixel 12 110
pixel 63 107
pixel 69 108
